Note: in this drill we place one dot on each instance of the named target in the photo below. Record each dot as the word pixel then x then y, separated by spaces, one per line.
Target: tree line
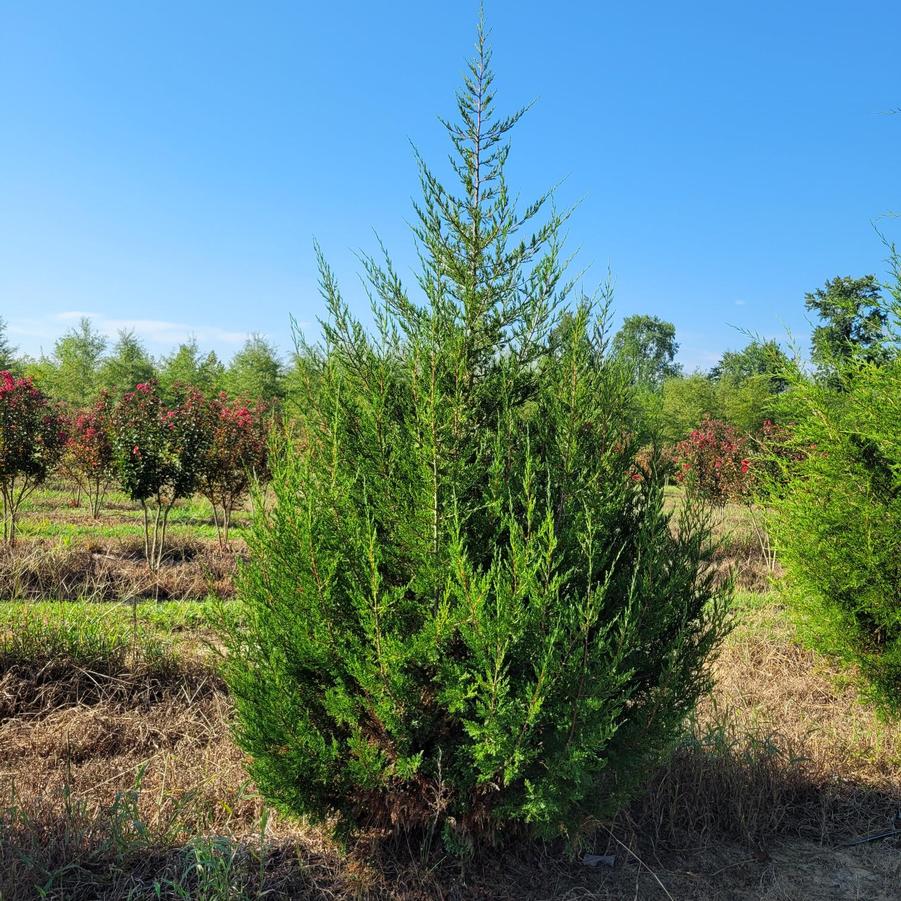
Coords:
pixel 741 389
pixel 84 363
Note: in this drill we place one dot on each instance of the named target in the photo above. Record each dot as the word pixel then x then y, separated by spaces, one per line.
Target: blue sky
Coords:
pixel 166 166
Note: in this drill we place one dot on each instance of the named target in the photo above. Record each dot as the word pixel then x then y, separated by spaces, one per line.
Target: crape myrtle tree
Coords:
pixel 237 457
pixel 158 453
pixel 89 459
pixel 462 614
pixel 713 461
pixel 31 442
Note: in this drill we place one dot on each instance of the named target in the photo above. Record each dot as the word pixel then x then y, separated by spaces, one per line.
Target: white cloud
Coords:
pixel 739 303
pixel 154 331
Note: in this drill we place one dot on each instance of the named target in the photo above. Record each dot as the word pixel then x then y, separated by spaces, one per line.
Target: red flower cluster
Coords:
pixel 714 461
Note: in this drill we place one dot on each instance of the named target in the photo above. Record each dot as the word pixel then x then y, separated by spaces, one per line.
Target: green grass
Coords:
pixel 79 630
pixel 49 513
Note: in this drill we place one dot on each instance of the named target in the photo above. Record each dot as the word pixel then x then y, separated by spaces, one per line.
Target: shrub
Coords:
pixel 713 461
pixel 237 457
pixel 462 614
pixel 159 454
pixel 31 441
pixel 838 520
pixel 89 452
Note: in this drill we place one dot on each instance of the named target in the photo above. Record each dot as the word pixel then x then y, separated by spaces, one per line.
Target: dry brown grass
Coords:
pixel 114 569
pixel 104 796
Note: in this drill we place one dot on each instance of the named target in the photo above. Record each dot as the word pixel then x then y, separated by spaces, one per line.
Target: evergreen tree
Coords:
pixel 128 365
pixel 836 519
pixel 464 612
pixel 70 375
pixel 7 351
pixel 189 367
pixel 256 373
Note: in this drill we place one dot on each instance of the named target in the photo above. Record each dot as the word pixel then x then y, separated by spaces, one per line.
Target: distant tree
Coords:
pixel 854 320
pixel 256 373
pixel 757 358
pixel 189 367
pixel 685 401
pixel 128 365
pixel 648 344
pixel 70 375
pixel 7 351
pixel 748 382
pixel 31 441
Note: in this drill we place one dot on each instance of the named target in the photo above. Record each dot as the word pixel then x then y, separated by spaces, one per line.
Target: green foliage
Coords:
pixel 757 358
pixel 129 364
pixel 8 361
pixel 187 367
pixel 685 402
pixel 648 346
pixel 854 321
pixel 742 390
pixel 837 521
pixel 256 373
pixel 463 615
pixel 70 375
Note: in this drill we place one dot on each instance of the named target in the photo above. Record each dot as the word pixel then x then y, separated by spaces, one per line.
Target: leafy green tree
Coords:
pixel 648 344
pixel 748 382
pixel 854 320
pixel 8 361
pixel 463 613
pixel 187 366
pixel 757 358
pixel 256 373
pixel 685 402
pixel 128 365
pixel 747 404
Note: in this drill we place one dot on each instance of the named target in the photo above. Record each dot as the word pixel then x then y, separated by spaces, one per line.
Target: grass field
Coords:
pixel 118 778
